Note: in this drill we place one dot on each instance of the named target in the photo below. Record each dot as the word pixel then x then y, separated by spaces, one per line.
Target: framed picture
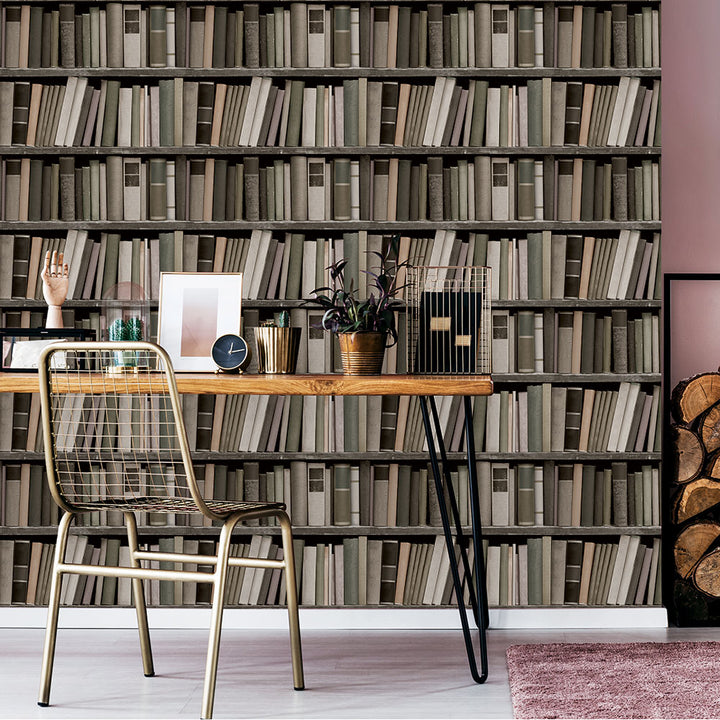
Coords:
pixel 195 308
pixel 21 347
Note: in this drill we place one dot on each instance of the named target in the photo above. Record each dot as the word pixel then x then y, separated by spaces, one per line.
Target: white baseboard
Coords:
pixel 343 618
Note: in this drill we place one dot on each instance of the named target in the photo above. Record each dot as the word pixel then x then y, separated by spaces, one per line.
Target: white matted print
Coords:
pixel 196 308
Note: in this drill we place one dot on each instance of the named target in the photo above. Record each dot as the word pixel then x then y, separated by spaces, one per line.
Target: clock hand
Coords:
pixel 233 352
pixel 230 351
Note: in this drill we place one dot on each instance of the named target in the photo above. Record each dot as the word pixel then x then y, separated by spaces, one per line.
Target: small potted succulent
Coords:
pixel 365 327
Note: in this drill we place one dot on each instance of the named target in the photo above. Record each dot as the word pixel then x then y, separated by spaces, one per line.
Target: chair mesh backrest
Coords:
pixel 115 435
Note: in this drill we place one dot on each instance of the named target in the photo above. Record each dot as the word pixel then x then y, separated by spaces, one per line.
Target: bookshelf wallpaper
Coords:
pixel 272 138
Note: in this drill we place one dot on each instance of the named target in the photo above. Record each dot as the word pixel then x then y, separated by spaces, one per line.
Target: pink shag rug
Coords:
pixel 615 680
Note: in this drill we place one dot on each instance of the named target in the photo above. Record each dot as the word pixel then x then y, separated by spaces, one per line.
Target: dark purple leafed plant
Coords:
pixel 346 313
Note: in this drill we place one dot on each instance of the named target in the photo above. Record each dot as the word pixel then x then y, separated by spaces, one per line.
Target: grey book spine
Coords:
pixel 403 37
pixel 589 495
pixel 587 46
pixel 620 340
pixel 435 188
pixel 205 101
pixel 67 189
pixel 573 568
pixel 299 34
pixel 298 187
pixel 483 34
pixel 252 35
pixel 388 112
pixel 573 110
pixel 341 36
pixel 67 35
pixel 251 173
pixel 620 188
pixel 525 36
pixel 341 189
pixel 573 265
pixel 573 417
pixel 587 355
pixel 341 494
pixel 620 494
pixel 21 109
pixel 114 21
pixel 619 36
pixel 435 35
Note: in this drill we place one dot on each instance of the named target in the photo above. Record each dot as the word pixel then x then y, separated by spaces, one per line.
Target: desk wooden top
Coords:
pixel 255 384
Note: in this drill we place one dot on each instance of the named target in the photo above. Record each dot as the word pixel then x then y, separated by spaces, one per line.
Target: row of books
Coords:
pixel 480 34
pixel 280 265
pixel 27 566
pixel 568 495
pixel 576 342
pixel 315 495
pixel 381 495
pixel 372 571
pixel 543 418
pixel 108 266
pixel 548 418
pixel 558 571
pixel 523 341
pixel 357 112
pixel 360 571
pixel 549 265
pixel 238 423
pixel 538 266
pixel 319 189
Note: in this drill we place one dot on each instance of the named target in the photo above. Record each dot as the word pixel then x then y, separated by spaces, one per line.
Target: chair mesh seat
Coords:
pixel 175 505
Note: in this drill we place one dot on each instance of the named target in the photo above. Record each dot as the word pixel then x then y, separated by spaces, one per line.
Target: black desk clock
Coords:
pixel 231 353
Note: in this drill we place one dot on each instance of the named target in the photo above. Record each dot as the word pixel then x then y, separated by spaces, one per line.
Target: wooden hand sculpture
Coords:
pixel 55 287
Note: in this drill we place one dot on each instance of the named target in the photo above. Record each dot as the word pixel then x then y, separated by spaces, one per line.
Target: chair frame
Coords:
pixel 222 560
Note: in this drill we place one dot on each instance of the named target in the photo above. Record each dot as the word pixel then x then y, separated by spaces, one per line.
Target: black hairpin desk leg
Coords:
pixel 478 597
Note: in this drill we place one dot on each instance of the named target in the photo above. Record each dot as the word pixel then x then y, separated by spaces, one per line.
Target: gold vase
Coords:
pixel 277 349
pixel 362 352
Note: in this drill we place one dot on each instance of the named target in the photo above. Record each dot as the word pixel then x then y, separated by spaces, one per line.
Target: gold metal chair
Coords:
pixel 115 440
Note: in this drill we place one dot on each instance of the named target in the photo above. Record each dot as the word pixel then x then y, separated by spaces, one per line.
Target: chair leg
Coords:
pixel 219 586
pixel 292 602
pixel 139 598
pixel 53 610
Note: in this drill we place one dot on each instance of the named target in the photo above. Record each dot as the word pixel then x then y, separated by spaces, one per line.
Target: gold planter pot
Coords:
pixel 362 352
pixel 277 349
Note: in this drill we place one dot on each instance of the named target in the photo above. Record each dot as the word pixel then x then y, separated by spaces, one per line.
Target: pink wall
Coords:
pixel 691 177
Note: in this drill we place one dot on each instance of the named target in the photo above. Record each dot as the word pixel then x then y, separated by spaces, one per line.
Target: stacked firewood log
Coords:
pixel 695 497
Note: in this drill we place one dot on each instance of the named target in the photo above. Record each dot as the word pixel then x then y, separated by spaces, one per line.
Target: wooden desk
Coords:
pixel 423 386
pixel 226 384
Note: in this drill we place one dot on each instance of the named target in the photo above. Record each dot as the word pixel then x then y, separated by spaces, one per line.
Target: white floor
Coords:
pixel 349 674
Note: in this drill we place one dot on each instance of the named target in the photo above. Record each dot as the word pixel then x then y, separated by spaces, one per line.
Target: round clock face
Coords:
pixel 230 353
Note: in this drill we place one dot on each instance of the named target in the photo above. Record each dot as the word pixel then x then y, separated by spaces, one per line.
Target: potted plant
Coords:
pixel 365 327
